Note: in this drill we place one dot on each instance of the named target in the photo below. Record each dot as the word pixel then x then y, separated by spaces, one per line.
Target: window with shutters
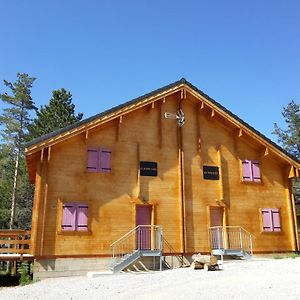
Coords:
pixel 98 160
pixel 74 217
pixel 251 171
pixel 271 220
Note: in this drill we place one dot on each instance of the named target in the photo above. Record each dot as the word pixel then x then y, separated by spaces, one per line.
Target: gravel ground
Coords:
pixel 255 279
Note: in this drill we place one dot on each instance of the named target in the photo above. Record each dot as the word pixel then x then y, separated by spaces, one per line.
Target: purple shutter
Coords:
pixel 247 174
pixel 276 220
pixel 68 219
pixel 256 171
pixel 93 159
pixel 82 217
pixel 105 155
pixel 267 219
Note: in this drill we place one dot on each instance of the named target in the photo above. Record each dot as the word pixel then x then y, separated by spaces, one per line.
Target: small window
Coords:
pixel 74 217
pixel 271 220
pixel 98 160
pixel 251 171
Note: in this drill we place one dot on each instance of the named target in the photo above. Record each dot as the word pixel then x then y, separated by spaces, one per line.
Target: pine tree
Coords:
pixel 290 138
pixel 59 113
pixel 15 120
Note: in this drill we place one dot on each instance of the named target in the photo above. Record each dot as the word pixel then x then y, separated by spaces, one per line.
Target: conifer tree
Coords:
pixel 59 113
pixel 290 138
pixel 15 120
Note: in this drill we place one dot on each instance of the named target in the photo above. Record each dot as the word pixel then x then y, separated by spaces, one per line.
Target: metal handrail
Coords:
pixel 138 238
pixel 231 237
pixel 232 227
pixel 173 253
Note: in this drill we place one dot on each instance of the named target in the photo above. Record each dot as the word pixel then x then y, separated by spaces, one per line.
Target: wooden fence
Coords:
pixel 15 244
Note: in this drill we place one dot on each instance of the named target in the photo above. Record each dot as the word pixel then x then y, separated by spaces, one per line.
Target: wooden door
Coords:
pixel 216 216
pixel 216 219
pixel 143 217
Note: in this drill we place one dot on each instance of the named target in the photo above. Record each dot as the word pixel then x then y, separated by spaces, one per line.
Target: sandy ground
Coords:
pixel 254 279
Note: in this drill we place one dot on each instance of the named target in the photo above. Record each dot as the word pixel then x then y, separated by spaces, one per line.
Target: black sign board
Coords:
pixel 211 172
pixel 148 168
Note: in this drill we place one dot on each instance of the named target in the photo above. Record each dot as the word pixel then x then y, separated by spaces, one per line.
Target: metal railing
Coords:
pixel 14 241
pixel 142 237
pixel 231 237
pixel 175 259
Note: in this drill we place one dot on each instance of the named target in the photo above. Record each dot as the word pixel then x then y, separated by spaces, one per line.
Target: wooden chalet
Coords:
pixel 170 173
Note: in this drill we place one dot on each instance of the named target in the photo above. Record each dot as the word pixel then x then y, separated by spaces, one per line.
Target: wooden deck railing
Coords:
pixel 14 242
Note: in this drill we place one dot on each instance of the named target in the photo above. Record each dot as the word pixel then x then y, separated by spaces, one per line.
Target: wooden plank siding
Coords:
pixel 143 134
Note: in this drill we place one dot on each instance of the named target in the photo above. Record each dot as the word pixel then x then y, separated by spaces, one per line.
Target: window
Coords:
pixel 98 160
pixel 251 171
pixel 271 219
pixel 74 217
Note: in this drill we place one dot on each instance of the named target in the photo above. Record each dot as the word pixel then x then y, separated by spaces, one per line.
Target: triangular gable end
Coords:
pixel 182 86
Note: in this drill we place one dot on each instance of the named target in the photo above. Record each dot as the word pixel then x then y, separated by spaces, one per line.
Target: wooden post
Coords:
pixel 221 187
pixel 181 187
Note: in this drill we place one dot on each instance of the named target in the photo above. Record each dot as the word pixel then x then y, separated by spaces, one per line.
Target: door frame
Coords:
pixel 151 221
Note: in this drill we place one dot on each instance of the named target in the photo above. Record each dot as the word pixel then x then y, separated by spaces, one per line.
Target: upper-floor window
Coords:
pixel 251 170
pixel 271 219
pixel 74 217
pixel 99 160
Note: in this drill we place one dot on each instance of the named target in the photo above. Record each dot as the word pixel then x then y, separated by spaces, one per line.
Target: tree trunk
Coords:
pixel 14 193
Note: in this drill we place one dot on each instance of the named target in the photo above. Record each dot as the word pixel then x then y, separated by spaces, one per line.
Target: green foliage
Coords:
pixel 15 117
pixel 59 113
pixel 290 138
pixel 24 271
pixel 15 190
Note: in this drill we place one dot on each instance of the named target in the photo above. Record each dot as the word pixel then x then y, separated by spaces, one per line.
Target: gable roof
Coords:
pixel 83 125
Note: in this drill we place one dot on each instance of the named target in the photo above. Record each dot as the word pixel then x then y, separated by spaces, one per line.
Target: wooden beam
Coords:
pixel 86 134
pixel 291 172
pixel 202 105
pixel 198 130
pixel 49 153
pixel 152 105
pixel 164 99
pixel 240 132
pixel 160 126
pixel 118 128
pixel 138 158
pixel 182 94
pixel 221 187
pixel 266 151
pixel 212 113
pixel 42 154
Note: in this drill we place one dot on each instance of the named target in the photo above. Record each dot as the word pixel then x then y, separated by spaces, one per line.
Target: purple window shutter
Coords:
pixel 68 219
pixel 256 171
pixel 105 156
pixel 82 217
pixel 93 160
pixel 276 220
pixel 247 174
pixel 267 220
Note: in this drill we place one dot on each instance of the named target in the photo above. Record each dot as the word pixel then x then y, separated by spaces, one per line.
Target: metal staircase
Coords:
pixel 233 241
pixel 142 241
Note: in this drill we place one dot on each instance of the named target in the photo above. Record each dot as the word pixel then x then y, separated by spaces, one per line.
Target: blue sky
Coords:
pixel 244 54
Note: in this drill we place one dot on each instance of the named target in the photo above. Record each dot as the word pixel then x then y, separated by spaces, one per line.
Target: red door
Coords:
pixel 216 219
pixel 143 217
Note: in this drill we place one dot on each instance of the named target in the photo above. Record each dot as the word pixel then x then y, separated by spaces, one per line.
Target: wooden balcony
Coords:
pixel 15 245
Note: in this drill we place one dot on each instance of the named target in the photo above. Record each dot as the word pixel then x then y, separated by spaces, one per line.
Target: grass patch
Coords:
pixel 278 257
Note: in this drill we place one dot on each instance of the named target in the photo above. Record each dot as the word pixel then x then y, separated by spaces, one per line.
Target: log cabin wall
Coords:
pixel 179 195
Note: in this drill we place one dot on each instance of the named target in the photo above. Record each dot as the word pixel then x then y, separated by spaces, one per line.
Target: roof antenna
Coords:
pixel 179 116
